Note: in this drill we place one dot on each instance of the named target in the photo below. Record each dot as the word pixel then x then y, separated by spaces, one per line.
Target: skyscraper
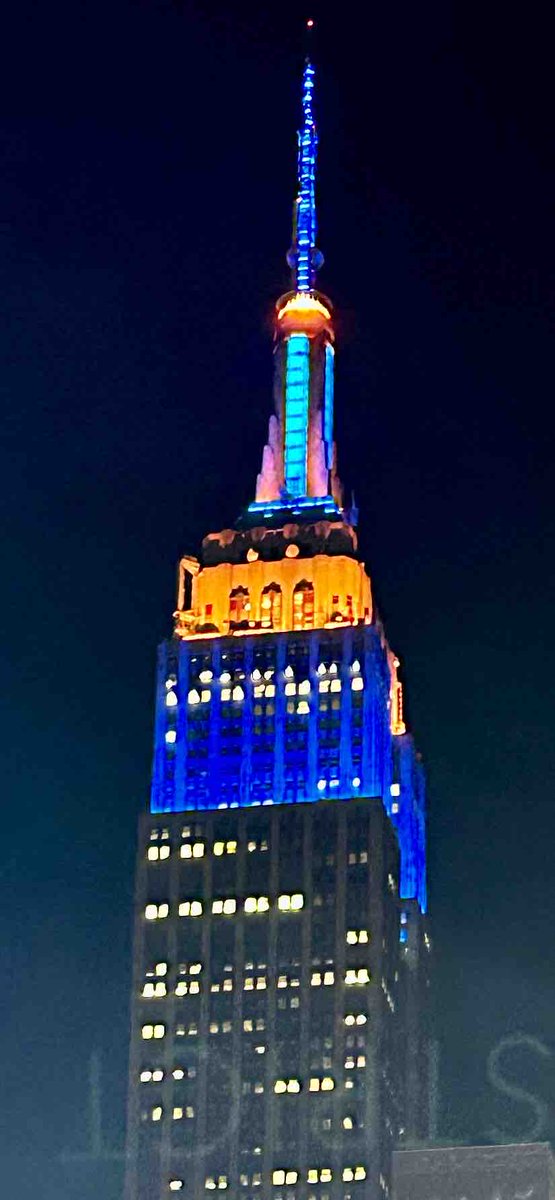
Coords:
pixel 278 1043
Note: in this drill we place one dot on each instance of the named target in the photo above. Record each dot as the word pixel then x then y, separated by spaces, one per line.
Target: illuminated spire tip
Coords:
pixel 303 257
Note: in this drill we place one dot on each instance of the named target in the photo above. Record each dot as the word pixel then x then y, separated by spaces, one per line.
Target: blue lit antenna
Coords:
pixel 304 258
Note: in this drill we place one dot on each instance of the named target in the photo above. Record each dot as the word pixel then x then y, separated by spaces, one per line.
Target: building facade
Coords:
pixel 523 1171
pixel 279 1044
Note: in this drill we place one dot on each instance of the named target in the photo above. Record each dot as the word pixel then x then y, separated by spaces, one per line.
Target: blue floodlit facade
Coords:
pixel 287 718
pixel 279 1044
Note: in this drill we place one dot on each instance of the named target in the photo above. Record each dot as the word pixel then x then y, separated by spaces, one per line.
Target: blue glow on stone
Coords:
pixel 297 386
pixel 217 763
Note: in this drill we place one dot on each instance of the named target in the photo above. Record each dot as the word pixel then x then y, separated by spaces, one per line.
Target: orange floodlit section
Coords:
pixel 304 312
pixel 262 596
pixel 397 723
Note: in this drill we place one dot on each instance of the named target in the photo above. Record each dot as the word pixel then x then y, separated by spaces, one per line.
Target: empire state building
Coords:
pixel 279 1037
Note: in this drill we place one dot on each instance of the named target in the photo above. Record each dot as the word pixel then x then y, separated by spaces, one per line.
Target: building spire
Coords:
pixel 299 474
pixel 303 257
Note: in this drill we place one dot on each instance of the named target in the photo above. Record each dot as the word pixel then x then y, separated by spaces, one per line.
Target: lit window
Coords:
pixel 355 667
pixel 190 908
pixel 316 979
pixel 154 990
pixel 335 685
pixel 395 789
pixel 238 693
pixel 227 907
pixel 156 1113
pixel 219 848
pixel 324 685
pixel 312 1175
pixel 158 853
pixel 291 1177
pixel 326 1175
pixel 290 689
pixel 205 676
pixel 357 975
pixel 328 1083
pixel 362 1019
pixel 226 693
pixel 255 904
pixel 145 1076
pixel 303 606
pixel 225 677
pixel 193 850
pixel 293 1085
pixel 171 699
pixel 348 1123
pixel 329 978
pixel 348 1175
pixel 178 1114
pixel 357 684
pixel 156 912
pixel 361 1060
pixel 360 1173
pixel 248 1025
pixel 176 1185
pixel 270 690
pixel 193 697
pixel 178 1073
pixel 303 708
pixel 280 1086
pixel 278 1178
pixel 356 936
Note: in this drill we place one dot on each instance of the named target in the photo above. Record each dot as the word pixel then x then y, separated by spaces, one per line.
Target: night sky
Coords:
pixel 147 177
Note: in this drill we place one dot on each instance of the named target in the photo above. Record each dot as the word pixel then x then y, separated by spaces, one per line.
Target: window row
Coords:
pixel 236 694
pixel 198 850
pixel 281 1177
pixel 227 906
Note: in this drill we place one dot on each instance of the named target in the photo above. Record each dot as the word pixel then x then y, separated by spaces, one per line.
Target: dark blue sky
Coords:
pixel 148 161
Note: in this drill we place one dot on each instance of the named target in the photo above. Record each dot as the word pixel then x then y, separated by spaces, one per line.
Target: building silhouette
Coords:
pixel 279 1036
